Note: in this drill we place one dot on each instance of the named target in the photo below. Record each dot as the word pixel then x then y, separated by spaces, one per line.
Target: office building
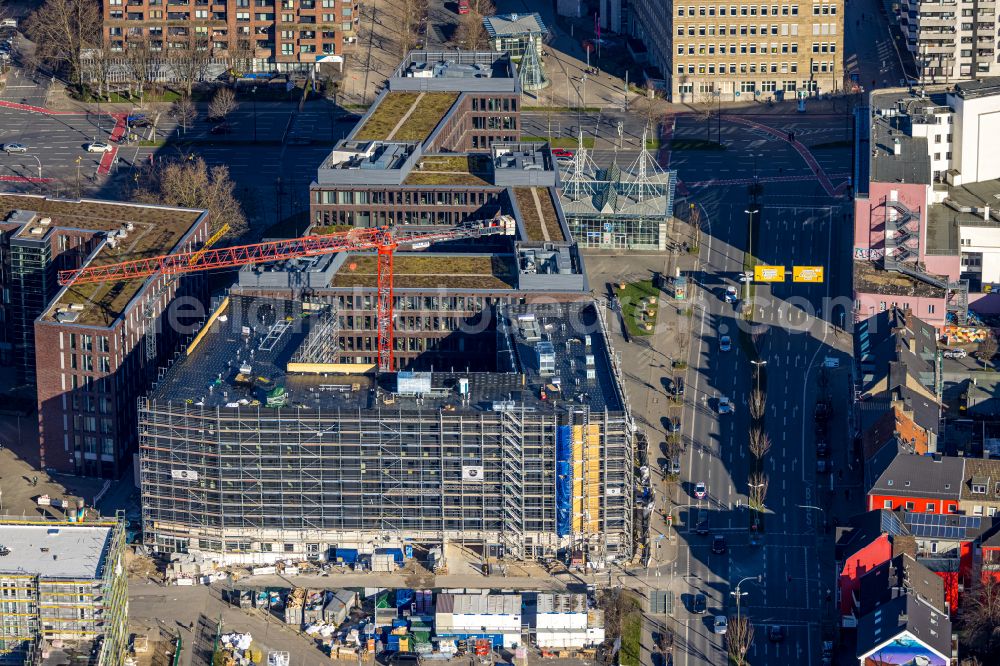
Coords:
pixel 261 36
pixel 725 52
pixel 90 349
pixel 63 593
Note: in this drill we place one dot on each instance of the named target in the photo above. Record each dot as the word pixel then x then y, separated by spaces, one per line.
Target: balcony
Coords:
pixel 178 16
pixel 134 16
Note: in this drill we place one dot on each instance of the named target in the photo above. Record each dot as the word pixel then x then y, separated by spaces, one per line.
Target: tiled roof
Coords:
pixel 981 472
pixel 896 473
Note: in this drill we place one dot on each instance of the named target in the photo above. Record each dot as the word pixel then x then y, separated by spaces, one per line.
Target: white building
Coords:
pixel 950 41
pixel 563 622
pixel 470 616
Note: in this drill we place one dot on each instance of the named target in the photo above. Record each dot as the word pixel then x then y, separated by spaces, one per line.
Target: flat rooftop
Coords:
pixel 512 25
pixel 911 165
pixel 155 230
pixel 870 279
pixel 452 170
pixel 538 214
pixel 59 550
pixel 405 116
pixel 460 65
pixel 985 87
pixel 579 373
pixel 431 270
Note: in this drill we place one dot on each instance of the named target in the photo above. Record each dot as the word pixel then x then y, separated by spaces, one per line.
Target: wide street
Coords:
pixel 798 224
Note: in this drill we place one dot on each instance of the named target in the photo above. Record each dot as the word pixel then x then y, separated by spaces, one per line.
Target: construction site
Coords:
pixel 258 446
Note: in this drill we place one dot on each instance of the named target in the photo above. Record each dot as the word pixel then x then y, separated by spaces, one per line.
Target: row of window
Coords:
pixel 707 88
pixel 285 4
pixel 744 68
pixel 748 10
pixel 406 198
pixel 710 49
pixel 734 30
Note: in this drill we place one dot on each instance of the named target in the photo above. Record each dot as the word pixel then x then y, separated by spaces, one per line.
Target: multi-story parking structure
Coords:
pixel 90 349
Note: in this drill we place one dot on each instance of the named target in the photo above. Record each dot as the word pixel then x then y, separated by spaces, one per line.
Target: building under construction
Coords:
pixel 63 592
pixel 261 444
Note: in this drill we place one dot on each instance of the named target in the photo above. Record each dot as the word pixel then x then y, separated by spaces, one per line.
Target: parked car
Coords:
pixel 562 155
pixel 15 148
pixel 673 425
pixel 699 490
pixel 776 633
pixel 718 544
pixel 699 604
pixel 955 353
pixel 98 147
pixel 675 465
pixel 721 624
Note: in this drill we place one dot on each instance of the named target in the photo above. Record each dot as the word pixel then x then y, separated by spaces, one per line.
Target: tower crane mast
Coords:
pixel 384 240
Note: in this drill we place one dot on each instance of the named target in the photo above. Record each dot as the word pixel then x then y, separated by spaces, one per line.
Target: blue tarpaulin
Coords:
pixel 564 479
pixel 404 598
pixel 346 555
pixel 397 553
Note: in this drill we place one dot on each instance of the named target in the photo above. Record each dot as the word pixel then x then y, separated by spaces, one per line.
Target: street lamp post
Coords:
pixel 750 213
pixel 738 593
pixel 757 366
pixel 254 91
pixel 754 486
pixel 39 166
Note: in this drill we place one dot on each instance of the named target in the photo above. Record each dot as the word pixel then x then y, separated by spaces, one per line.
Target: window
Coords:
pixel 977 510
pixel 931 507
pixel 680 11
pixel 795 10
pixel 930 309
pixel 909 506
pixel 288 49
pixel 979 488
pixel 952 508
pixel 991 511
pixel 887 504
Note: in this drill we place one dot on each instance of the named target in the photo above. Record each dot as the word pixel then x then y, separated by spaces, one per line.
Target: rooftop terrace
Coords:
pixel 471 170
pixel 405 116
pixel 869 278
pixel 538 213
pixel 155 230
pixel 428 270
pixel 577 370
pixel 57 550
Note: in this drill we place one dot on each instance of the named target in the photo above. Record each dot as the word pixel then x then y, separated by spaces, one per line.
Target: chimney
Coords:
pixel 912 343
pixel 897 147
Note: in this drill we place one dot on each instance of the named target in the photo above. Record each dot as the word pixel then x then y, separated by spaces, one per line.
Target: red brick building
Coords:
pixel 92 349
pixel 283 35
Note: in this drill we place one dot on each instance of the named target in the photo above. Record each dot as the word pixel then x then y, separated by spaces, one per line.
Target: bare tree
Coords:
pixel 760 443
pixel 62 30
pixel 223 103
pixel 471 33
pixel 757 404
pixel 241 55
pixel 987 349
pixel 190 64
pixel 139 56
pixel 757 490
pixel 184 111
pixel 191 184
pixel 981 615
pixel 98 64
pixel 739 638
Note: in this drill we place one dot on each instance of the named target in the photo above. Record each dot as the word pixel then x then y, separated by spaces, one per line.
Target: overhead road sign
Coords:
pixel 768 273
pixel 807 273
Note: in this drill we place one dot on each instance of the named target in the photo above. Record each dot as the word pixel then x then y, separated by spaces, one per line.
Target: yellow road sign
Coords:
pixel 768 273
pixel 807 273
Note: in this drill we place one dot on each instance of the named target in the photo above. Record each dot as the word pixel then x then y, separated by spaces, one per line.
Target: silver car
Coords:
pixel 15 148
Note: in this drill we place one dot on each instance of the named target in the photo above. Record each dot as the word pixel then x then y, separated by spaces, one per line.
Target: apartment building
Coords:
pixel 267 35
pixel 950 40
pixel 63 592
pixel 90 349
pixel 725 52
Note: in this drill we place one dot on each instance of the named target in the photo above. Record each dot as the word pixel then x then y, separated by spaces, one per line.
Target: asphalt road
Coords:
pixel 798 225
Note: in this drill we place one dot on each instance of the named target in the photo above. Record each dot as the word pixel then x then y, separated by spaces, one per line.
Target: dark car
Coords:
pixel 718 544
pixel 673 425
pixel 776 633
pixel 701 525
pixel 699 604
pixel 221 128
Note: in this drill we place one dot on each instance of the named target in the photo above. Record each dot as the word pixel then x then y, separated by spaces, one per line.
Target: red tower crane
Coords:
pixel 384 240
